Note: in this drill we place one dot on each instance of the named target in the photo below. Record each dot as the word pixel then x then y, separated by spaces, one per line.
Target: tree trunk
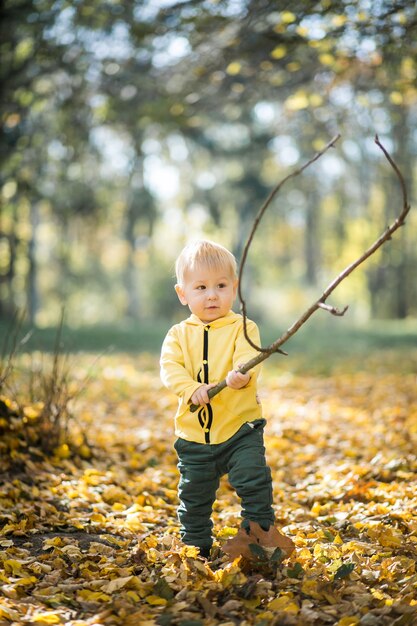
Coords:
pixel 311 237
pixel 131 277
pixel 7 296
pixel 32 282
pixel 403 277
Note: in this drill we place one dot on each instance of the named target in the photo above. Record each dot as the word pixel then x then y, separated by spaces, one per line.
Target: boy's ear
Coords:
pixel 180 294
pixel 235 285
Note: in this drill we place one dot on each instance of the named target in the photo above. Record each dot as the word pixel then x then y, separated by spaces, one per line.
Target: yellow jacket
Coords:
pixel 194 353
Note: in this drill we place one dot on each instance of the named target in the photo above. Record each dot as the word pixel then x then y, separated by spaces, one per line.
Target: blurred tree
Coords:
pixel 249 89
pixel 45 122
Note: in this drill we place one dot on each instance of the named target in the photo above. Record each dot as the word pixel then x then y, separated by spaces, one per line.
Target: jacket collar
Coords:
pixel 230 318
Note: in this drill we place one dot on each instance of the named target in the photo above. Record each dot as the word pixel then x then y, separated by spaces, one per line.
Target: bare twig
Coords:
pixel 10 347
pixel 321 302
pixel 332 309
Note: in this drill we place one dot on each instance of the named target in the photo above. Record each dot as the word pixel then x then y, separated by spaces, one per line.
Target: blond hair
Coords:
pixel 207 254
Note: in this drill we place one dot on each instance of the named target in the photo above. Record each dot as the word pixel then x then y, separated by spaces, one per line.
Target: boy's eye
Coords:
pixel 201 287
pixel 222 285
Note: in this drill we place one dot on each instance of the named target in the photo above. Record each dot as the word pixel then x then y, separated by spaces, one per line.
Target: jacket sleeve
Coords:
pixel 174 375
pixel 244 351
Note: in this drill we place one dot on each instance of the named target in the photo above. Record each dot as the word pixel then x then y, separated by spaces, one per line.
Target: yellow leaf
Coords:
pixel 396 97
pixel 113 494
pixel 46 618
pixel 133 522
pixel 26 581
pixel 116 584
pixel 287 17
pixel 310 588
pixel 33 411
pixel 265 615
pixel 14 567
pixel 9 403
pixel 233 68
pixel 231 574
pixel 156 600
pixel 279 52
pixel 72 552
pixel 252 603
pixel 297 102
pixel 93 596
pixel 9 613
pixel 339 20
pixel 326 58
pixel 317 509
pixel 387 537
pixel 277 604
pixel 143 589
pixel 316 99
pixel 54 542
pixel 84 451
pixel 302 31
pixel 378 595
pixel 348 620
pixel 24 49
pixel 227 531
pixel 190 551
pixel 361 16
pixel 334 565
pixel 304 555
pixel 62 451
pixel 133 595
pixel 284 603
pixel 292 607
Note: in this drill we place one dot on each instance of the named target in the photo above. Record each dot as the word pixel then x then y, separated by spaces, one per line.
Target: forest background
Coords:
pixel 128 128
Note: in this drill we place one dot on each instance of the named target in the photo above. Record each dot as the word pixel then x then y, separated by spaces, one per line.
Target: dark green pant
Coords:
pixel 201 466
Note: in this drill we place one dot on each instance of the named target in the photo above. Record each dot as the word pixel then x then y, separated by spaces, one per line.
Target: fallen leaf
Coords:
pixel 252 544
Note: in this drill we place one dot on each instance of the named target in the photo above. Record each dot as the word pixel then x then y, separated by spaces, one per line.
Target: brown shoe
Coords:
pixel 269 540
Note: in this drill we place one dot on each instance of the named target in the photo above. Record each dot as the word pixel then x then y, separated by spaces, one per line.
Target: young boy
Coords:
pixel 225 434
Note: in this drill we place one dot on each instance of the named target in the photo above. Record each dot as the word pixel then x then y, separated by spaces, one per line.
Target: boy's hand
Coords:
pixel 200 395
pixel 237 380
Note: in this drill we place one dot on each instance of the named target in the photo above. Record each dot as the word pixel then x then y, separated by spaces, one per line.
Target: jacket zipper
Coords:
pixel 205 414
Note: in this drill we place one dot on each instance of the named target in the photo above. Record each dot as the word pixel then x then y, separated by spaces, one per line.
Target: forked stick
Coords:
pixel 321 302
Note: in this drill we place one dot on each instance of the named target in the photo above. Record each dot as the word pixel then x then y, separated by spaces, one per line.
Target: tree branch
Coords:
pixel 258 218
pixel 333 310
pixel 321 302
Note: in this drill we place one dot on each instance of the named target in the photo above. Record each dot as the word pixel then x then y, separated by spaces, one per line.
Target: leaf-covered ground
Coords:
pixel 93 539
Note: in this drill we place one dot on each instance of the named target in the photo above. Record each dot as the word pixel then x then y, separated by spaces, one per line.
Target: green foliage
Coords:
pixel 258 551
pixel 344 570
pixel 103 101
pixel 295 572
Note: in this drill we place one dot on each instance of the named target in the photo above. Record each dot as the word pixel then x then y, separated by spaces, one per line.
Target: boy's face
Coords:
pixel 209 293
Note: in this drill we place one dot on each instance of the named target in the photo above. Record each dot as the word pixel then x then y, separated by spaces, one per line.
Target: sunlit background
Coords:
pixel 129 128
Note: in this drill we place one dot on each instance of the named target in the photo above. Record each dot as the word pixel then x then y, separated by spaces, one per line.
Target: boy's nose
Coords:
pixel 211 294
